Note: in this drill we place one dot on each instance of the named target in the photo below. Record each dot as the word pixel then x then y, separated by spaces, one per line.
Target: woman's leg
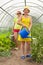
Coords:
pixel 15 38
pixel 28 48
pixel 23 48
pixel 15 35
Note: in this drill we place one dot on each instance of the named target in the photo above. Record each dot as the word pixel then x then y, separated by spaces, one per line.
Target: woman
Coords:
pixel 16 28
pixel 26 22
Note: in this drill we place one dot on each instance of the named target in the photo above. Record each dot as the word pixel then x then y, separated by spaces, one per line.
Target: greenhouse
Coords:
pixel 8 10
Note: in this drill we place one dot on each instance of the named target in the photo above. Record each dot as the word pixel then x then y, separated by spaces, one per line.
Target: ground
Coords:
pixel 14 59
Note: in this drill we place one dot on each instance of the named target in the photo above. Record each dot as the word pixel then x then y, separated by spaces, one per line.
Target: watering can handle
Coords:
pixel 26 29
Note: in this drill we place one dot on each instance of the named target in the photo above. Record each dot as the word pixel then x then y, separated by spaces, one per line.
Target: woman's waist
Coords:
pixel 17 26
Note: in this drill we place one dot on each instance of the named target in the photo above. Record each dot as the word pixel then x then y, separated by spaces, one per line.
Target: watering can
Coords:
pixel 24 33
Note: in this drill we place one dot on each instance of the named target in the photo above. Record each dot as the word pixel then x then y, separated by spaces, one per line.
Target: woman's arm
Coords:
pixel 19 22
pixel 30 26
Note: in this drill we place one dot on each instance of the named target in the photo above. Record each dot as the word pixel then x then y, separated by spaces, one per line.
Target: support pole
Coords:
pixel 25 2
pixel 6 12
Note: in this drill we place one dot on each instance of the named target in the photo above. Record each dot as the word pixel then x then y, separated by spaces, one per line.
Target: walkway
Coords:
pixel 15 60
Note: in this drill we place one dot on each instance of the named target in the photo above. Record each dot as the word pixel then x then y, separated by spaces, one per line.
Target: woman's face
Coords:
pixel 18 14
pixel 26 11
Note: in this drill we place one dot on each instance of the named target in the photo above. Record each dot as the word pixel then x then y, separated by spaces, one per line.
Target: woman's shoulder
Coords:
pixel 21 17
pixel 30 16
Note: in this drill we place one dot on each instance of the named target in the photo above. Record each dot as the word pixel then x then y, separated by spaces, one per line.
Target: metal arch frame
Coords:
pixel 14 10
pixel 26 2
pixel 35 3
pixel 14 4
pixel 5 10
pixel 40 15
pixel 7 13
pixel 10 1
pixel 31 2
pixel 6 3
pixel 30 6
pixel 6 18
pixel 4 14
pixel 41 7
pixel 40 1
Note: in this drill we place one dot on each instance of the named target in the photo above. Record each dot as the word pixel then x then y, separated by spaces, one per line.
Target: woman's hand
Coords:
pixel 21 24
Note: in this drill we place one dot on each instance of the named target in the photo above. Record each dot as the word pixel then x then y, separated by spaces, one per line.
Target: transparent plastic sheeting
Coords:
pixel 8 9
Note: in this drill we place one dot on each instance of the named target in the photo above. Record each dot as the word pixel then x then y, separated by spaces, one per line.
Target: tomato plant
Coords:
pixel 37 46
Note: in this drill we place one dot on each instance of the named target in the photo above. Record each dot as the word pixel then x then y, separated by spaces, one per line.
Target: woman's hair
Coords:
pixel 18 12
pixel 27 9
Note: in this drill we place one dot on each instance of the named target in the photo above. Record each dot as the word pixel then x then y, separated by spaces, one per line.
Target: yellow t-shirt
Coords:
pixel 16 26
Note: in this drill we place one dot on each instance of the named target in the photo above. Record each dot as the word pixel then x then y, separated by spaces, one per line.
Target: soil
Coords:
pixel 15 59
